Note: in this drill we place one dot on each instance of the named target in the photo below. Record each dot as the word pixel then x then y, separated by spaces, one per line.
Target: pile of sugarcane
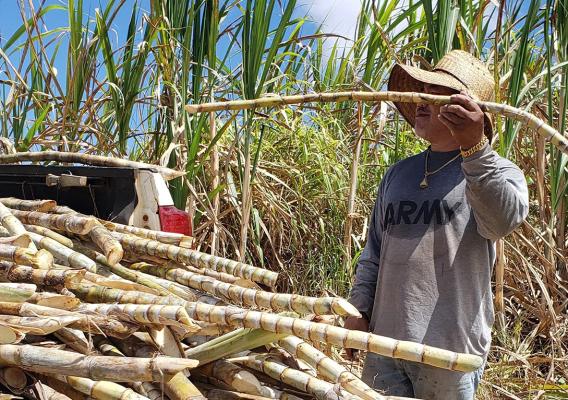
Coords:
pixel 91 308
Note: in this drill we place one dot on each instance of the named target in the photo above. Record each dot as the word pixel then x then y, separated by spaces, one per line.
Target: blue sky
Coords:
pixel 337 15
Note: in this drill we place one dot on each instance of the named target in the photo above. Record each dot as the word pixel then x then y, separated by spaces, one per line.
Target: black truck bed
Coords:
pixel 109 194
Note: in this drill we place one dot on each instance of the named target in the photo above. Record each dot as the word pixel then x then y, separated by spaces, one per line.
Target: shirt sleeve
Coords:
pixel 362 294
pixel 497 191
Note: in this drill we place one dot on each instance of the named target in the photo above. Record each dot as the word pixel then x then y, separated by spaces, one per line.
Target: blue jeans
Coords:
pixel 409 379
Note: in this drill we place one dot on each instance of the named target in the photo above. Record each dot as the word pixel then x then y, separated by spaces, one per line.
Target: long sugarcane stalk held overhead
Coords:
pixel 533 122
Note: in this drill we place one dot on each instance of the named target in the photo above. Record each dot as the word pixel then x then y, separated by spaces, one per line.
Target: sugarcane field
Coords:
pixel 295 200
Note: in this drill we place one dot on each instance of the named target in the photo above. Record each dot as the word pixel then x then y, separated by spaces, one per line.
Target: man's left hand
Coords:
pixel 464 119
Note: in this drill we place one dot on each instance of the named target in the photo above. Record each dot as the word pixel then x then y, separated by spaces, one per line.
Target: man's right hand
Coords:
pixel 355 324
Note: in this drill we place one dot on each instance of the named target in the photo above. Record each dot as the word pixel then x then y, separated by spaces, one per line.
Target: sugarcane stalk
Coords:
pixel 173 238
pixel 37 325
pixel 71 223
pixel 100 294
pixel 102 390
pixel 65 292
pixel 106 347
pixel 196 258
pixel 28 205
pixel 45 392
pixel 16 292
pixel 144 313
pixel 147 389
pixel 111 280
pixel 87 323
pixel 43 277
pixel 74 340
pixel 107 243
pixel 54 300
pixel 174 288
pixel 43 231
pixel 12 224
pixel 18 240
pixel 252 297
pixel 132 257
pixel 121 270
pixel 230 343
pixel 88 159
pixel 167 288
pixel 215 393
pixel 220 276
pixel 321 390
pixel 174 316
pixel 118 283
pixel 62 210
pixel 318 332
pixel 328 368
pixel 93 293
pixel 238 317
pixel 541 128
pixel 64 253
pixel 21 255
pixel 129 369
pixel 272 393
pixel 177 386
pixel 231 375
pixel 206 330
pixel 62 388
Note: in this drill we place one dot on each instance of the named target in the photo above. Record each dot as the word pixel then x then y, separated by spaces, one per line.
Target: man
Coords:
pixel 425 272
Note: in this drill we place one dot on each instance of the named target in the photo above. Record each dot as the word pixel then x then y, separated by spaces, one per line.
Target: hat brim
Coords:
pixel 405 78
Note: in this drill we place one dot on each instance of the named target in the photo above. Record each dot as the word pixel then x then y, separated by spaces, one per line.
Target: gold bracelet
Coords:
pixel 474 149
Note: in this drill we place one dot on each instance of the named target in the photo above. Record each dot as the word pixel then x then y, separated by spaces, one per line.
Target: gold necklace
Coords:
pixel 424 182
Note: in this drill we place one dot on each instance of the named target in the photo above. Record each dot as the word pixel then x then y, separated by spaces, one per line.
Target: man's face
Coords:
pixel 427 125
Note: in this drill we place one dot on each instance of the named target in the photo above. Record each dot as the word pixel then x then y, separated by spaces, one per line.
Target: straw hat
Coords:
pixel 457 70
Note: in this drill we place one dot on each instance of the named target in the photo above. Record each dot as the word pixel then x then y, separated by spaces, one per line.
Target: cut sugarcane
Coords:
pixel 130 369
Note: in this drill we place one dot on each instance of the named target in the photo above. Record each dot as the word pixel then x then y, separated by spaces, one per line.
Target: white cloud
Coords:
pixel 336 16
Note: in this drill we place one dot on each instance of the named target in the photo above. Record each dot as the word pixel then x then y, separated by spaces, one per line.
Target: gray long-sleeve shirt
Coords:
pixel 425 272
